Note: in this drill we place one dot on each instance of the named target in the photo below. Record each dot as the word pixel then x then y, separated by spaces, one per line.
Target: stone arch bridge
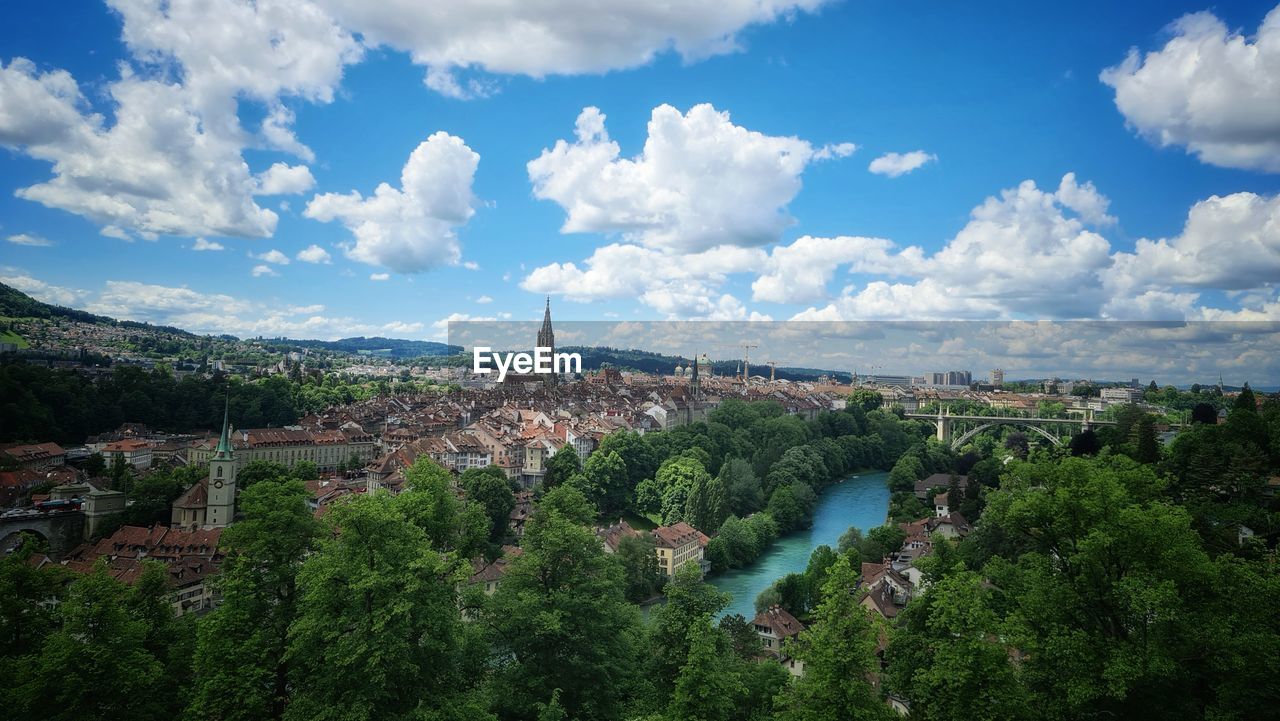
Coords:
pixel 62 530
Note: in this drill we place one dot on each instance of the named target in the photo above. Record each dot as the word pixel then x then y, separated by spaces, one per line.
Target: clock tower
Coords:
pixel 222 480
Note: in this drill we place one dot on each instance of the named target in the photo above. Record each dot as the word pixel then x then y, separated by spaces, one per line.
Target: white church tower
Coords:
pixel 222 480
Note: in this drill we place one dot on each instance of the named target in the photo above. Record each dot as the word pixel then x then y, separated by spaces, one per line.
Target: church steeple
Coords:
pixel 223 450
pixel 547 338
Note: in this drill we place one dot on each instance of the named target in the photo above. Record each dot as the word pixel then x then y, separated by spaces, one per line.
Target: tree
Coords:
pixel 95 465
pixel 606 474
pixel 561 466
pixel 96 665
pixel 1146 446
pixel 255 471
pixel 304 471
pixel 675 479
pixel 947 658
pixel 25 616
pixel 451 525
pixel 1085 443
pixel 708 503
pixel 490 488
pixel 707 687
pixel 240 668
pixel 867 400
pixel 639 457
pixel 377 605
pixel 641 576
pixel 742 486
pixel 561 619
pixel 1204 413
pixel 838 652
pixel 689 598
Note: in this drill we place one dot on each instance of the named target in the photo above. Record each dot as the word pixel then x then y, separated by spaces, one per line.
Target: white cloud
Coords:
pixel 379 276
pixel 1228 242
pixel 1026 253
pixel 170 159
pixel 482 300
pixel 1210 90
pixel 700 181
pixel 835 150
pixel 314 254
pixel 216 313
pixel 261 270
pixel 552 36
pixel 201 245
pixel 30 239
pixel 799 272
pixel 272 256
pixel 676 285
pixel 896 164
pixel 471 265
pixel 412 228
pixel 44 292
pixel 285 179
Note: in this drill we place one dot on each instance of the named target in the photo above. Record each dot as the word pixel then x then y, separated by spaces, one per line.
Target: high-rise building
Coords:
pixel 997 377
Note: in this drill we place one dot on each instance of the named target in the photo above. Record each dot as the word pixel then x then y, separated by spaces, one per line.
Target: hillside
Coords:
pixel 16 304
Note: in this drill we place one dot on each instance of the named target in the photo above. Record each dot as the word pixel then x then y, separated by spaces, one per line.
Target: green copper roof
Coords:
pixel 224 443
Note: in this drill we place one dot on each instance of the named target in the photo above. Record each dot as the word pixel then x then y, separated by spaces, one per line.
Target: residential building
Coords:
pixel 677 545
pixel 774 626
pixel 135 452
pixel 38 455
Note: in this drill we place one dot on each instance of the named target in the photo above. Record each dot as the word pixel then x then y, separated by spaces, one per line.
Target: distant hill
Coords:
pixel 594 358
pixel 16 304
pixel 376 346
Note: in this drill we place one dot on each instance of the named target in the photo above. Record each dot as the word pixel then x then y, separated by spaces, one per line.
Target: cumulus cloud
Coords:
pixel 203 245
pixel 285 179
pixel 482 300
pixel 1027 252
pixel 896 164
pixel 170 158
pixel 379 276
pixel 30 240
pixel 273 256
pixel 261 270
pixel 799 272
pixel 314 254
pixel 1210 90
pixel 516 37
pixel 676 285
pixel 699 182
pixel 42 291
pixel 217 313
pixel 1228 242
pixel 412 228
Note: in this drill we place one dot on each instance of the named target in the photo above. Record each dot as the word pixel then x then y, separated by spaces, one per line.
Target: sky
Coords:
pixel 329 168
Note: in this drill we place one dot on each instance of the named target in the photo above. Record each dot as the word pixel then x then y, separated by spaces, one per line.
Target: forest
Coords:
pixel 1100 582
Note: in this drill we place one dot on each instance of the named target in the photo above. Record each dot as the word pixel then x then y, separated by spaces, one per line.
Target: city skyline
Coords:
pixel 340 171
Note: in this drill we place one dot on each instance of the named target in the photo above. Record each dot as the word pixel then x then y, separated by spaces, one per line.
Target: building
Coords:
pixel 35 456
pixel 677 545
pixel 547 339
pixel 774 626
pixel 288 446
pixel 135 452
pixel 1121 395
pixel 997 377
pixel 190 557
pixel 211 501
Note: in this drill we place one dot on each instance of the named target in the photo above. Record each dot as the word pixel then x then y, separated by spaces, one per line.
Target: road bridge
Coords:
pixel 944 421
pixel 63 530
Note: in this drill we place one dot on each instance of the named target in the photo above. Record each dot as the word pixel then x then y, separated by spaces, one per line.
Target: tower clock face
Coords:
pixel 217 484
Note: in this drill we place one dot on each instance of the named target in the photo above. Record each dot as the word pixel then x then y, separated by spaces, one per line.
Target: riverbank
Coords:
pixel 861 500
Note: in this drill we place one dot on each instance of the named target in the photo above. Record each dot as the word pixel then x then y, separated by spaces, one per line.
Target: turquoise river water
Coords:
pixel 861 500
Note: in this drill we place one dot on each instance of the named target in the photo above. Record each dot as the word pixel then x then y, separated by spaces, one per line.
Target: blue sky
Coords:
pixel 753 207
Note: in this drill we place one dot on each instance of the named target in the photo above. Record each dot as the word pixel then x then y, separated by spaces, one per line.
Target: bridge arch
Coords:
pixel 13 539
pixel 963 438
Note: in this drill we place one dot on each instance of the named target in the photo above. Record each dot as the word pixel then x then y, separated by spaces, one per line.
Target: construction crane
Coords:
pixel 746 360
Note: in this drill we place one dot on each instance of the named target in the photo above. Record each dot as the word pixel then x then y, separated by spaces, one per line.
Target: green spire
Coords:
pixel 224 443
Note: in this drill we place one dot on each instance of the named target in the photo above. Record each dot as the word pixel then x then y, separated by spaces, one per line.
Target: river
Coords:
pixel 861 500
